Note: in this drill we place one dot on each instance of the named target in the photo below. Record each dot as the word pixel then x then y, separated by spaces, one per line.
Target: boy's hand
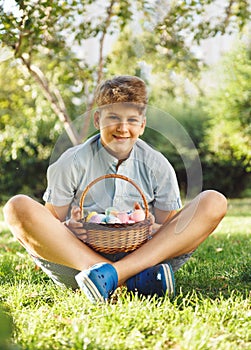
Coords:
pixel 154 226
pixel 74 223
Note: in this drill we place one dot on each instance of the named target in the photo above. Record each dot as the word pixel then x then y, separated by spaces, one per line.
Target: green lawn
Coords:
pixel 212 309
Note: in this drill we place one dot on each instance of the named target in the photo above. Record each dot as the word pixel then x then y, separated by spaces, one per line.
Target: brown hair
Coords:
pixel 124 88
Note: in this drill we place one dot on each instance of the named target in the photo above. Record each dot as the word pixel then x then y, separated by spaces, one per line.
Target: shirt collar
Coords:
pixel 110 158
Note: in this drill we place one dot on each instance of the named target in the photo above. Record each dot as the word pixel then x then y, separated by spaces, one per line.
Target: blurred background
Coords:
pixel 195 57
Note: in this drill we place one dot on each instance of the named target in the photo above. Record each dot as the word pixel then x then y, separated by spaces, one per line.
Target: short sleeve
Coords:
pixel 166 188
pixel 62 180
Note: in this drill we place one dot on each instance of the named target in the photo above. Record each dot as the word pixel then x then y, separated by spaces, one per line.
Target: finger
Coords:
pixel 76 224
pixel 73 224
pixel 80 231
pixel 76 213
pixel 152 218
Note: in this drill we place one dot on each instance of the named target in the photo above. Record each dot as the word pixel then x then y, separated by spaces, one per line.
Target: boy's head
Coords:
pixel 120 118
pixel 122 89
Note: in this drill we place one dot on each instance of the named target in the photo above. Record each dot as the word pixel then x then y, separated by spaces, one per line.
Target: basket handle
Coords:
pixel 107 176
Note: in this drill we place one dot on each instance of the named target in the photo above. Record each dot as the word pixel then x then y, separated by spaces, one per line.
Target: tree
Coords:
pixel 57 29
pixel 167 40
pixel 27 133
pixel 46 37
pixel 229 106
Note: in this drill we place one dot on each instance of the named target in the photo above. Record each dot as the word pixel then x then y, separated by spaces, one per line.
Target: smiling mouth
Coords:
pixel 120 138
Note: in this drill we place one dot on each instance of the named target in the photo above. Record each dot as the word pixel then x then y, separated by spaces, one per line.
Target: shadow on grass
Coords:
pixel 220 266
pixel 15 263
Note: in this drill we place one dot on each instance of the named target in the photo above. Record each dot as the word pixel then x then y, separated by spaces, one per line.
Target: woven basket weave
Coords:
pixel 116 238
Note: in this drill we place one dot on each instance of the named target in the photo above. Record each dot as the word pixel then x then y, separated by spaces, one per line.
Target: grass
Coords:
pixel 212 308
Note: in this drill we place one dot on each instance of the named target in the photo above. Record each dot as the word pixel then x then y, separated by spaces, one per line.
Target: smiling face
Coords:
pixel 120 126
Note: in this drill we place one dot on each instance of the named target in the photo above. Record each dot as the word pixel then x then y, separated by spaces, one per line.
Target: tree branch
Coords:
pixel 228 15
pixel 55 98
pixel 102 40
pixel 90 106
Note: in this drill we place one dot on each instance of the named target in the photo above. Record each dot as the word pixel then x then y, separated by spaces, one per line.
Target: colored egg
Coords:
pixel 112 220
pixel 97 219
pixel 123 217
pixel 111 210
pixel 102 218
pixel 137 215
pixel 90 215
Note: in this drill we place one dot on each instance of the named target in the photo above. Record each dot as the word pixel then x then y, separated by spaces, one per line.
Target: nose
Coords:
pixel 122 126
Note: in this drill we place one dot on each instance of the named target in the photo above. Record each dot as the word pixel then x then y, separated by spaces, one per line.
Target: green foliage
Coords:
pixel 192 21
pixel 211 309
pixel 55 32
pixel 177 135
pixel 6 327
pixel 170 33
pixel 46 38
pixel 58 30
pixel 124 57
pixel 27 133
pixel 229 108
pixel 225 175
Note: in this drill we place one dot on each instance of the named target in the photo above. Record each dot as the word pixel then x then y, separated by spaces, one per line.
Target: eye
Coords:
pixel 134 121
pixel 113 117
pixel 111 120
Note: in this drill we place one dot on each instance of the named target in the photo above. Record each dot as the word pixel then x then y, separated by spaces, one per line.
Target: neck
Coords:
pixel 120 157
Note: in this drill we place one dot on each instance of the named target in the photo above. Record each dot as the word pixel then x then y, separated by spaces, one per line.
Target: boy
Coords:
pixel 47 232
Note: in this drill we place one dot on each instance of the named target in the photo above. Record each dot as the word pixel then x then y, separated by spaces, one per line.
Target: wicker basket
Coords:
pixel 116 238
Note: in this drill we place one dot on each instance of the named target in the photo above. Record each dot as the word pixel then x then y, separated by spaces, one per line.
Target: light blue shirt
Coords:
pixel 79 165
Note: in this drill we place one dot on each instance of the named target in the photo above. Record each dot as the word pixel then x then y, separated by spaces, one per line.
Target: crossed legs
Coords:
pixel 46 237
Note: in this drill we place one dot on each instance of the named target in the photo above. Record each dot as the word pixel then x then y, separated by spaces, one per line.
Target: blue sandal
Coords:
pixel 158 280
pixel 99 282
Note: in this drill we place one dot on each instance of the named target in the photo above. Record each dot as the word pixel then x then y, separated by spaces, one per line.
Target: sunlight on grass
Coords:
pixel 212 308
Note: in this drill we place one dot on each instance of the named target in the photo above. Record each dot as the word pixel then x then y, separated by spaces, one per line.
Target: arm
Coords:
pixel 59 212
pixel 160 217
pixel 73 223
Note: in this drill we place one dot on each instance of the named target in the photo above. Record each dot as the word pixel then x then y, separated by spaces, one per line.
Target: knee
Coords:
pixel 16 207
pixel 214 204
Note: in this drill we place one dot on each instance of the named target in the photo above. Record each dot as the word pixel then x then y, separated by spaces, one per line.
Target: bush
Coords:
pixel 26 175
pixel 224 175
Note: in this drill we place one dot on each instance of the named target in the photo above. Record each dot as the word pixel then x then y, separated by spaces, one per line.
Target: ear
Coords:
pixel 96 119
pixel 142 128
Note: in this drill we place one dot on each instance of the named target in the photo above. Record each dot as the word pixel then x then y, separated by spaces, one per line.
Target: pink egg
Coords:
pixel 123 217
pixel 137 215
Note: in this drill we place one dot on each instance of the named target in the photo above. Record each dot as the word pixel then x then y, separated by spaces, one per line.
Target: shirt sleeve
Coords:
pixel 62 179
pixel 166 188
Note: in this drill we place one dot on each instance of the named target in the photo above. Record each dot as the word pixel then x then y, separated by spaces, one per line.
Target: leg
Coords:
pixel 46 237
pixel 181 235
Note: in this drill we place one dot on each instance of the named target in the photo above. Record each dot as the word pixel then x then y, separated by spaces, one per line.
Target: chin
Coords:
pixel 119 153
